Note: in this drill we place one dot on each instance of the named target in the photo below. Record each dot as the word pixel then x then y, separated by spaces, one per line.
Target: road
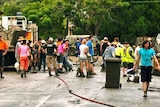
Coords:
pixel 40 90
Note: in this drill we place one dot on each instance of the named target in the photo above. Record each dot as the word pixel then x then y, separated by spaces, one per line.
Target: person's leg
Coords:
pixel 34 61
pixel 26 66
pixel 61 63
pixel 55 66
pixel 44 64
pixel 40 63
pixel 1 65
pixel 49 61
pixel 145 88
pixel 22 65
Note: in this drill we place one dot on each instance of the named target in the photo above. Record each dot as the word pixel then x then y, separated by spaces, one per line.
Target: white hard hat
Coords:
pixel 43 41
pixel 50 39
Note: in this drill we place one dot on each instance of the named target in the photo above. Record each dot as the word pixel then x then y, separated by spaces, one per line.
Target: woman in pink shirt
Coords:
pixel 23 53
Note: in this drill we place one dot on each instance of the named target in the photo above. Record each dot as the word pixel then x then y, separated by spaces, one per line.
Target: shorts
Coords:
pixel 60 58
pixel 83 59
pixel 124 64
pixel 51 59
pixel 146 73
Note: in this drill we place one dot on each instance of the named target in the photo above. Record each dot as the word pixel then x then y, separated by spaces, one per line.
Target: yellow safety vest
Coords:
pixel 129 58
pixel 118 51
pixel 123 54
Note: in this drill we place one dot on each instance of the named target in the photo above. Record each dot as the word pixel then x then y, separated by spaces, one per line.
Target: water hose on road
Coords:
pixel 71 92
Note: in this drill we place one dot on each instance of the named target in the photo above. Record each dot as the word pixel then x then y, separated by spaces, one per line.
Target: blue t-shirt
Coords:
pixel 89 44
pixel 146 56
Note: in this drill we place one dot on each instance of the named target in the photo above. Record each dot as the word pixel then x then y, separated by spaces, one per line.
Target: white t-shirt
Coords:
pixel 82 48
pixel 136 52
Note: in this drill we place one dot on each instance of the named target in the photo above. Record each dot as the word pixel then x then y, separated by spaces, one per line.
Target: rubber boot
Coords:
pixel 21 75
pixel 25 74
pixel 89 74
pixel 2 75
pixel 82 74
pixel 49 71
pixel 56 72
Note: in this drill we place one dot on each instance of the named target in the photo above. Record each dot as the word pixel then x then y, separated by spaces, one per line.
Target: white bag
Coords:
pixel 16 65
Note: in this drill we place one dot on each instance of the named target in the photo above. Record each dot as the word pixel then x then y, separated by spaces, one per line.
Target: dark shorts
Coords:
pixel 124 64
pixel 146 73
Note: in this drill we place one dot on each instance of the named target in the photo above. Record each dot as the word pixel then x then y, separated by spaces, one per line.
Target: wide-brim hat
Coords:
pixel 21 38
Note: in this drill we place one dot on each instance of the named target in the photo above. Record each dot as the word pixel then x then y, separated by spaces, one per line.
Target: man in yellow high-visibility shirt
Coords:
pixel 130 60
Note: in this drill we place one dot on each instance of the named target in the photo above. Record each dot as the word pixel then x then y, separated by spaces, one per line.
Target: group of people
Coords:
pixel 55 54
pixel 85 54
pixel 144 54
pixel 52 54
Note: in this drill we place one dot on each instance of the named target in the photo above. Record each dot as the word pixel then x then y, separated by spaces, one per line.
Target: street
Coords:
pixel 40 90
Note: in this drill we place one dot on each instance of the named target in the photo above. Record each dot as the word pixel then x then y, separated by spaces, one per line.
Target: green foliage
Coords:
pixel 109 18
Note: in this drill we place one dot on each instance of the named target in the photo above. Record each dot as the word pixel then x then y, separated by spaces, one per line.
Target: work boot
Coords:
pixel 2 75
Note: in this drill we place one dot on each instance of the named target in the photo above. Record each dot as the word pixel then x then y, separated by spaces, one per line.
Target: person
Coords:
pixel 23 53
pixel 91 52
pixel 18 44
pixel 116 41
pixel 67 64
pixel 35 53
pixel 60 55
pixel 42 56
pixel 98 49
pixel 124 59
pixel 51 51
pixel 130 60
pixel 3 52
pixel 83 48
pixel 137 50
pixel 103 46
pixel 77 44
pixel 145 56
pixel 20 39
pixel 108 53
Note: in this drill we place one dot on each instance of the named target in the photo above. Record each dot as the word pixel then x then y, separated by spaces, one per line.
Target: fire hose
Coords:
pixel 71 92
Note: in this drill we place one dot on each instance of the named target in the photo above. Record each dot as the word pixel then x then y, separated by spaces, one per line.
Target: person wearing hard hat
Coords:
pixel 42 52
pixel 51 51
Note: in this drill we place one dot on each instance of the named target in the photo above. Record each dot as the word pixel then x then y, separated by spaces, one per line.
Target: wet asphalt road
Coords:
pixel 40 90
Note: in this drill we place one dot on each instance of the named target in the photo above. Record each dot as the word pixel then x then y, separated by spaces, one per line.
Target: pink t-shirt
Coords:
pixel 23 50
pixel 60 48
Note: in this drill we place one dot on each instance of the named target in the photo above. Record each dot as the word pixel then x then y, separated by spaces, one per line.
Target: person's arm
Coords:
pixel 113 52
pixel 156 62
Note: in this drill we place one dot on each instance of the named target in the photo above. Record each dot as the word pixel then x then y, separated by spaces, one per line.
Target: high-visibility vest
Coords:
pixel 118 51
pixel 129 58
pixel 123 54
